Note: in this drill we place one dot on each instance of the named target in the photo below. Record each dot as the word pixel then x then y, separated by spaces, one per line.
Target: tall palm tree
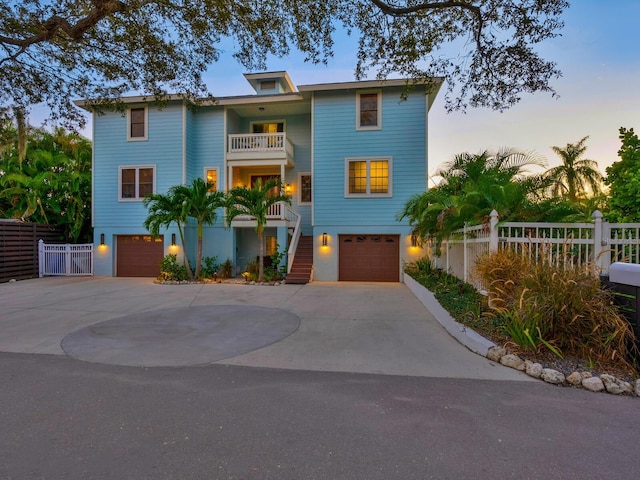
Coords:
pixel 255 202
pixel 202 204
pixel 163 211
pixel 576 173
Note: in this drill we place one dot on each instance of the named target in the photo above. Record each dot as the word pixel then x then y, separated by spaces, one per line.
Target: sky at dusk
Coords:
pixel 598 53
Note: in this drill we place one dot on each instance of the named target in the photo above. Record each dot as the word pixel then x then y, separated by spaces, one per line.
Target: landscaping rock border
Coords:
pixel 499 354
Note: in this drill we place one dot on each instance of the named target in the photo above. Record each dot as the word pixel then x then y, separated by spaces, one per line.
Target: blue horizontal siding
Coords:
pixel 112 150
pixel 402 137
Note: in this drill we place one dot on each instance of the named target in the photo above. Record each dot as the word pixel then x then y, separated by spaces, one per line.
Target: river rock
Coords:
pixel 615 385
pixel 496 353
pixel 533 369
pixel 550 375
pixel 593 384
pixel 513 361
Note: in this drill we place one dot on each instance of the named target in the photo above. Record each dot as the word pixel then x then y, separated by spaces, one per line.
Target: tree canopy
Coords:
pixel 623 179
pixel 54 51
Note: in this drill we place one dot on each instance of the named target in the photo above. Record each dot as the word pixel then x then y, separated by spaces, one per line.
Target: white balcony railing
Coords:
pixel 277 211
pixel 261 143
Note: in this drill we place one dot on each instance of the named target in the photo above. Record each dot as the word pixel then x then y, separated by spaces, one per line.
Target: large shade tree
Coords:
pixel 255 202
pixel 52 51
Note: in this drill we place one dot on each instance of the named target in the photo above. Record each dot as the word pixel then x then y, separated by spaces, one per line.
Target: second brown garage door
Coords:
pixel 139 255
pixel 369 258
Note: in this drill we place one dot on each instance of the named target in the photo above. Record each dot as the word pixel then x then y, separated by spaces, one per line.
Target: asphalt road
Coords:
pixel 65 419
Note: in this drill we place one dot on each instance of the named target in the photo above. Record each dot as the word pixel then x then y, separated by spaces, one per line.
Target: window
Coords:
pixel 369 110
pixel 268 85
pixel 268 127
pixel 136 182
pixel 368 177
pixel 271 242
pixel 304 188
pixel 211 175
pixel 137 124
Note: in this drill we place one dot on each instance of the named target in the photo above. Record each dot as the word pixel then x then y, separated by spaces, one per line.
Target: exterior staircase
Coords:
pixel 303 262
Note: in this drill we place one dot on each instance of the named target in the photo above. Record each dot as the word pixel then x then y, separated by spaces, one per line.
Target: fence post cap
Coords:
pixel 597 214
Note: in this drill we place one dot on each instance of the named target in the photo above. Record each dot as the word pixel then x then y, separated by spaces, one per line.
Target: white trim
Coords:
pixel 145 137
pixel 300 175
pixel 378 125
pixel 184 144
pixel 93 170
pixel 217 170
pixel 313 157
pixel 137 168
pixel 389 192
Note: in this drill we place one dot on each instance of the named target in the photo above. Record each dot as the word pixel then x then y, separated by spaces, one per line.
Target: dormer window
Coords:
pixel 267 85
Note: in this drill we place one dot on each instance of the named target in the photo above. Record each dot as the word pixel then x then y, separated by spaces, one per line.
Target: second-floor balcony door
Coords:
pixel 265 178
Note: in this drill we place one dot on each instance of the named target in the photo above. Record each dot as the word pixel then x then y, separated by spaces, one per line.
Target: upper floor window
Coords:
pixel 137 123
pixel 369 177
pixel 369 110
pixel 304 189
pixel 276 126
pixel 136 181
pixel 211 176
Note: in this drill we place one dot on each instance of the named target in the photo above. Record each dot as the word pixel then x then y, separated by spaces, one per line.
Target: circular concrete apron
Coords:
pixel 180 336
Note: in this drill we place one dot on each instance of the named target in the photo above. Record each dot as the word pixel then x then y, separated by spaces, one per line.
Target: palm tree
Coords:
pixel 163 211
pixel 472 185
pixel 202 204
pixel 575 173
pixel 255 202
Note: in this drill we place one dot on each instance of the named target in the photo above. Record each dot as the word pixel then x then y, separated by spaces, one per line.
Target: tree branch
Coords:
pixel 403 11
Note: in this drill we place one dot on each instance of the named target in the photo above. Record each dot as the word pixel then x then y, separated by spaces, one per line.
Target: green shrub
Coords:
pixel 209 267
pixel 171 270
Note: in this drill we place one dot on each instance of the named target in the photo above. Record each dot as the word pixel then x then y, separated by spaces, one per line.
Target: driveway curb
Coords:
pixel 465 335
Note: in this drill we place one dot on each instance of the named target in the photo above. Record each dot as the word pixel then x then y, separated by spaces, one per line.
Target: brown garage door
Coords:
pixel 139 255
pixel 369 258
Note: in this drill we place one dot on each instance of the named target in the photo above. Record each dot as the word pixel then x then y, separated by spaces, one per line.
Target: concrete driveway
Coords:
pixel 345 327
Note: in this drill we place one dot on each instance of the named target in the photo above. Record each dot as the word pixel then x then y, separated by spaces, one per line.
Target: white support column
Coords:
pixel 601 242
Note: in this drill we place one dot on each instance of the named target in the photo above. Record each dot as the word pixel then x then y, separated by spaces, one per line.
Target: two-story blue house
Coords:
pixel 349 154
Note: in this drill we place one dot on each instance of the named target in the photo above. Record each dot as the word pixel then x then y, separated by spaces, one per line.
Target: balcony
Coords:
pixel 279 214
pixel 260 147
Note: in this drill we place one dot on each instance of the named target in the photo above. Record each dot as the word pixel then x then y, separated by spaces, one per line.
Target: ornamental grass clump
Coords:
pixel 574 314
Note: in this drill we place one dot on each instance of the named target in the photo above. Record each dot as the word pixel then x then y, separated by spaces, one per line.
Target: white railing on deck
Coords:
pixel 65 260
pixel 277 211
pixel 260 142
pixel 295 237
pixel 570 245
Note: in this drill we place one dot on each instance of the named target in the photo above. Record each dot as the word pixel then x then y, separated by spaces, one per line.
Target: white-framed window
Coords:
pixel 368 177
pixel 212 175
pixel 369 110
pixel 137 122
pixel 135 182
pixel 305 188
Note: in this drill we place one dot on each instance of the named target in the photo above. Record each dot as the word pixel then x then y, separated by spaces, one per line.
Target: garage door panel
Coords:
pixel 373 258
pixel 139 255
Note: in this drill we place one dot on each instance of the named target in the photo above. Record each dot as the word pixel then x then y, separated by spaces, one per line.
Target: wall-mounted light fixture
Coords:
pixel 173 239
pixel 102 239
pixel 287 188
pixel 414 240
pixel 261 109
pixel 324 239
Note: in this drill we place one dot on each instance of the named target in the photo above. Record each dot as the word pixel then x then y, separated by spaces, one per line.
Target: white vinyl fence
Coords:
pixel 571 245
pixel 65 260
